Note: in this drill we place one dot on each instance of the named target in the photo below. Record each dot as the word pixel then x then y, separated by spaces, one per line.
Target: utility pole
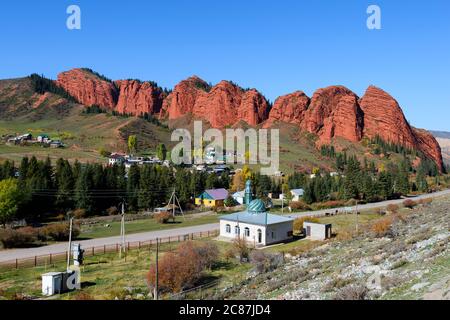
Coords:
pixel 122 231
pixel 156 271
pixel 69 250
pixel 357 229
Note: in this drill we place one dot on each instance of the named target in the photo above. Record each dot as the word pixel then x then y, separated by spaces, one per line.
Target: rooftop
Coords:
pixel 258 219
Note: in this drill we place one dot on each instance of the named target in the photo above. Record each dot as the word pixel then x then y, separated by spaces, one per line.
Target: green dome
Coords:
pixel 256 206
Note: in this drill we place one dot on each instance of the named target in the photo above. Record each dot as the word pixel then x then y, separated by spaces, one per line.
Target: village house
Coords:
pixel 116 158
pixel 256 225
pixel 317 231
pixel 43 138
pixel 212 198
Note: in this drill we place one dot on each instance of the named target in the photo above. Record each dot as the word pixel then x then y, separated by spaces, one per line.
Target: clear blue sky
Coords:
pixel 274 46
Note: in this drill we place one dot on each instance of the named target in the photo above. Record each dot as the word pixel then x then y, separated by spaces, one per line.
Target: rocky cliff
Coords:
pixel 332 112
pixel 89 88
pixel 136 97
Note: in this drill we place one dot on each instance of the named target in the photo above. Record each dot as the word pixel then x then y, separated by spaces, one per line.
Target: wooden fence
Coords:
pixel 50 259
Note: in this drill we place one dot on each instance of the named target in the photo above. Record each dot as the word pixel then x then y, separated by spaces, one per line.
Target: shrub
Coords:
pixel 58 232
pixel 79 213
pixel 329 205
pixel 382 227
pixel 241 248
pixel 183 267
pixel 409 204
pixel 299 205
pixel 163 217
pixel 392 208
pixel 265 262
pixel 112 211
pixel 352 292
pixel 19 238
pixel 298 223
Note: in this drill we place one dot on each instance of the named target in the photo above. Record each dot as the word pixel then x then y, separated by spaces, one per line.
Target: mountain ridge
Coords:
pixel 331 113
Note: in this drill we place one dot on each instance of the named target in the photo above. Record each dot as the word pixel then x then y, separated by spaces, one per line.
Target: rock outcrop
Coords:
pixel 428 144
pixel 332 112
pixel 88 88
pixel 384 117
pixel 136 97
pixel 290 108
pixel 223 105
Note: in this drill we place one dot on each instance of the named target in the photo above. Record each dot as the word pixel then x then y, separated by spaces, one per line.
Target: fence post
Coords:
pixel 169 239
pixel 50 258
pixel 128 246
pixel 35 261
pixel 117 247
pixel 139 246
pixel 178 238
pixel 104 248
pixel 17 264
pixel 93 251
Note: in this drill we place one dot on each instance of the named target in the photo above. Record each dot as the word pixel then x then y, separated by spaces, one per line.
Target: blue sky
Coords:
pixel 275 46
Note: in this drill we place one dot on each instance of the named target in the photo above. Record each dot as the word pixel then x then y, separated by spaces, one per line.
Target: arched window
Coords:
pixel 259 236
pixel 237 230
pixel 247 232
pixel 228 228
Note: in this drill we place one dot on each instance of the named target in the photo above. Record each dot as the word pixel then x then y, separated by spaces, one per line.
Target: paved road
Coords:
pixel 9 255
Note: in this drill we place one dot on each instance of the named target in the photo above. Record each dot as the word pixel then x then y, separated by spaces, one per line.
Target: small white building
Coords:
pixel 317 231
pixel 256 226
pixel 239 196
pixel 116 159
pixel 297 194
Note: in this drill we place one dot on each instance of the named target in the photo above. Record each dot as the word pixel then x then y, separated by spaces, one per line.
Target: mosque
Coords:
pixel 255 224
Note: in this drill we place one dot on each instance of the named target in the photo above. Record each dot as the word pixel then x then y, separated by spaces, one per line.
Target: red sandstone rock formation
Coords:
pixel 222 105
pixel 88 88
pixel 428 144
pixel 290 108
pixel 334 112
pixel 384 117
pixel 137 97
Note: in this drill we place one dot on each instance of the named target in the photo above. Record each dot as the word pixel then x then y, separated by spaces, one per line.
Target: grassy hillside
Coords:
pixel 23 111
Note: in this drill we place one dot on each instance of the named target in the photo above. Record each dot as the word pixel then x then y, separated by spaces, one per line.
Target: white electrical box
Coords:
pixel 52 283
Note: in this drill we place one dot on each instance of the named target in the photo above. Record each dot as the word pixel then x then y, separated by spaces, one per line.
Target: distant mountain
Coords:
pixel 443 138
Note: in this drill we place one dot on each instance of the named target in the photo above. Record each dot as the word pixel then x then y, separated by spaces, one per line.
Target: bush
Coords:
pixel 241 248
pixel 328 205
pixel 112 211
pixel 392 208
pixel 58 232
pixel 298 223
pixel 265 262
pixel 182 268
pixel 409 204
pixel 20 238
pixel 299 205
pixel 79 213
pixel 163 217
pixel 382 227
pixel 352 292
